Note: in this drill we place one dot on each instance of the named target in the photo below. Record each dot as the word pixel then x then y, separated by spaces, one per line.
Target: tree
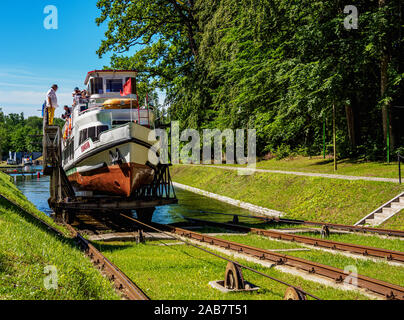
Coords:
pixel 276 65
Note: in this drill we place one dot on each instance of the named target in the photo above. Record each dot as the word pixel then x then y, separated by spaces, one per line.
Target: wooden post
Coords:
pixel 324 147
pixel 334 138
pixel 388 136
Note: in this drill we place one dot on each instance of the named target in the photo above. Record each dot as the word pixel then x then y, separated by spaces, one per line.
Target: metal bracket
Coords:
pixel 116 158
pixel 233 278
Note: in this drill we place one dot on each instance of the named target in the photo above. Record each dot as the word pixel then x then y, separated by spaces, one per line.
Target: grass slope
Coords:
pixel 26 248
pixel 11 192
pixel 320 165
pixel 310 198
pixel 397 222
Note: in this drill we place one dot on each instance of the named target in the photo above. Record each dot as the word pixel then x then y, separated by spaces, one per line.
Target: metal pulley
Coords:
pixel 325 232
pixel 294 294
pixel 234 277
pixel 140 237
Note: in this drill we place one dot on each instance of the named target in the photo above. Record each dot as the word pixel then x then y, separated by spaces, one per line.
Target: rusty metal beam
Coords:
pixel 388 290
pixel 387 232
pixel 390 255
pixel 122 282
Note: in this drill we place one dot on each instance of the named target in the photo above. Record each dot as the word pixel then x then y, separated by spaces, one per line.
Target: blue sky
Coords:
pixel 32 58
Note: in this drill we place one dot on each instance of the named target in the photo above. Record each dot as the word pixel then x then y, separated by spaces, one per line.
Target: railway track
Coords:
pixel 385 289
pixel 390 255
pixel 386 232
pixel 131 291
pixel 292 293
pixel 121 281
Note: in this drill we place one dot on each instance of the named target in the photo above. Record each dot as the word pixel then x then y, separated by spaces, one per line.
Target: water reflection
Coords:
pixel 189 204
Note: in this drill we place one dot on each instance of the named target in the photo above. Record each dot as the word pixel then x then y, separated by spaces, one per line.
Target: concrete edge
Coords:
pixel 244 205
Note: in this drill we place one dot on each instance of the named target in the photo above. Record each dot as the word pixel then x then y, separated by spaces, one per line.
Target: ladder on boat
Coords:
pixel 139 112
pixel 60 187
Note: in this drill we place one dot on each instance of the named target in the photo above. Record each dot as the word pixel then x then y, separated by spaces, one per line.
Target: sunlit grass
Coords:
pixel 306 198
pixel 11 192
pixel 375 269
pixel 183 272
pixel 26 249
pixel 319 165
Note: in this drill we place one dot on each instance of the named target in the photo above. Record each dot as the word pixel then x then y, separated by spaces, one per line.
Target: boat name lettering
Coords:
pixel 85 147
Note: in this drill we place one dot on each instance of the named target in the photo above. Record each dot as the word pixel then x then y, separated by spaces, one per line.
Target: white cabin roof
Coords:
pixel 106 73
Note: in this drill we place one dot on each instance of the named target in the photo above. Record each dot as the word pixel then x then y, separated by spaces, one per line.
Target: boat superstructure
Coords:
pixel 107 140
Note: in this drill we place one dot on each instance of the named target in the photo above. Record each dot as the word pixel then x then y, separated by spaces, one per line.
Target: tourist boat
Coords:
pixel 106 141
pixel 27 161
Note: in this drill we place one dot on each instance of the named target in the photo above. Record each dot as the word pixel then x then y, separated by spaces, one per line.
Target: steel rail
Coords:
pixel 221 257
pixel 390 255
pixel 388 290
pixel 387 232
pixel 121 281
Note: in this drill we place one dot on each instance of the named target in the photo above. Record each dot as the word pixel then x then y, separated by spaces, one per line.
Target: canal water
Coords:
pixel 189 204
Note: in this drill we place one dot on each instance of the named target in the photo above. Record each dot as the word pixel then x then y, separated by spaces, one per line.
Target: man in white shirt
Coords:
pixel 51 103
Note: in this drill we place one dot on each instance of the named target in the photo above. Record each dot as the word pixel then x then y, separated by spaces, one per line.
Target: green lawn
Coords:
pixel 26 248
pixel 319 165
pixel 11 192
pixel 397 222
pixel 309 198
pixel 183 272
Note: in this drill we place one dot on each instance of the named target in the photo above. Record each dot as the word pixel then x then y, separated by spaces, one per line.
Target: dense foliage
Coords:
pixel 275 65
pixel 18 134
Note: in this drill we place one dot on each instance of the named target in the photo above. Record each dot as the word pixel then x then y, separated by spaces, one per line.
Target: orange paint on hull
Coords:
pixel 119 180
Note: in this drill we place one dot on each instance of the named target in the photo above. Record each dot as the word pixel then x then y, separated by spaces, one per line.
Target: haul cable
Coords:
pixel 132 291
pixel 390 255
pixel 388 290
pixel 387 232
pixel 221 257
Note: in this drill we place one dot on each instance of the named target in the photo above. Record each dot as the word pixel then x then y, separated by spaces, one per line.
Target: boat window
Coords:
pixel 68 152
pixel 91 133
pixel 101 129
pixel 119 122
pixel 96 86
pixel 83 136
pixel 114 85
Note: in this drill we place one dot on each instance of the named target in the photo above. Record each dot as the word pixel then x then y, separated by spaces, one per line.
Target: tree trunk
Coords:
pixel 334 134
pixel 386 112
pixel 351 124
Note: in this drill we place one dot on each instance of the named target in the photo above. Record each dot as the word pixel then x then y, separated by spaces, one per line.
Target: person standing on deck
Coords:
pixel 51 103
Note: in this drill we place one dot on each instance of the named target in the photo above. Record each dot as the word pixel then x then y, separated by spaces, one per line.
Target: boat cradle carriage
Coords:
pixel 107 143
